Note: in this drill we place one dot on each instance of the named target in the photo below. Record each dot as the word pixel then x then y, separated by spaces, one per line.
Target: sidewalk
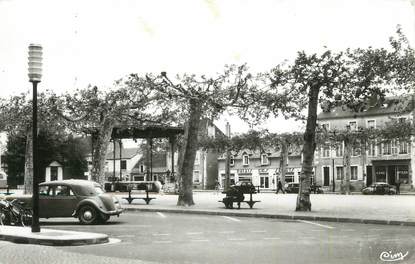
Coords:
pixel 50 237
pixel 375 209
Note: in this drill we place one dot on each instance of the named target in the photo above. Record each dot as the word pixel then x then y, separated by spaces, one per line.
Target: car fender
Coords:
pixel 87 201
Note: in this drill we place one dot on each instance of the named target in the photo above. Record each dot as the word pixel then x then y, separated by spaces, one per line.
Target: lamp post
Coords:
pixel 35 75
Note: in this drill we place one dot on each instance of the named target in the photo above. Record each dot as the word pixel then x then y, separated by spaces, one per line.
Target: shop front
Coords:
pixel 245 175
pixel 392 172
pixel 265 180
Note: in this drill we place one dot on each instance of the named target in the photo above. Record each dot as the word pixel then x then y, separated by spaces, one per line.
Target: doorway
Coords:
pixel 369 175
pixel 264 181
pixel 392 175
pixel 326 176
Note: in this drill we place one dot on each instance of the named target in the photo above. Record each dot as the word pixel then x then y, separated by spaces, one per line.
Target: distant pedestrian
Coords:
pixel 217 186
pixel 398 187
pixel 279 187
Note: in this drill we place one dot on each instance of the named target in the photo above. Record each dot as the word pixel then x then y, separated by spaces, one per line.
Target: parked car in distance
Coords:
pixel 83 199
pixel 292 187
pixel 316 189
pixel 379 188
pixel 245 187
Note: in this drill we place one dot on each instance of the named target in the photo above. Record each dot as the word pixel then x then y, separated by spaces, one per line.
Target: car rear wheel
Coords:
pixel 87 215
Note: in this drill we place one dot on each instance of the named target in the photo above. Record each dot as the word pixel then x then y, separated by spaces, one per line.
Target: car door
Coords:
pixel 60 201
pixel 44 202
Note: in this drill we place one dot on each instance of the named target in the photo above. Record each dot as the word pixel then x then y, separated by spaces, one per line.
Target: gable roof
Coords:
pixel 126 153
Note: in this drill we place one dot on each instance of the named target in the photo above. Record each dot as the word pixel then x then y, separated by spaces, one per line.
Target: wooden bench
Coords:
pixel 130 199
pixel 229 203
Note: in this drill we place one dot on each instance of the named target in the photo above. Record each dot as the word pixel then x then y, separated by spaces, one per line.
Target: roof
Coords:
pixel 256 154
pixel 375 107
pixel 153 131
pixel 126 153
pixel 159 160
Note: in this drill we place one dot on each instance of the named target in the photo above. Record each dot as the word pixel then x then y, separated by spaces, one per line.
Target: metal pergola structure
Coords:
pixel 149 133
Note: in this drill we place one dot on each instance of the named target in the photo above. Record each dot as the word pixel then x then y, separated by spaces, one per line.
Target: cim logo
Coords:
pixel 388 256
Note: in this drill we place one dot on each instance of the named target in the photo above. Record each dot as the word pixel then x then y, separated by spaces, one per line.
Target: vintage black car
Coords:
pixel 73 198
pixel 292 187
pixel 245 187
pixel 379 188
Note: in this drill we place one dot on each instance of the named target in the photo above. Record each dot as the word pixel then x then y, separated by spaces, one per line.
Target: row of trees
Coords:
pixel 330 79
pixel 286 143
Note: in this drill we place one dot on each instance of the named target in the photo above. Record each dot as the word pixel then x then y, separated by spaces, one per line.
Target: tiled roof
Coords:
pixel 391 105
pixel 256 154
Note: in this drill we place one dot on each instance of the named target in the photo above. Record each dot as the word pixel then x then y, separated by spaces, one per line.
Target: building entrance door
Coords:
pixel 392 175
pixel 326 176
pixel 265 182
pixel 53 173
pixel 369 178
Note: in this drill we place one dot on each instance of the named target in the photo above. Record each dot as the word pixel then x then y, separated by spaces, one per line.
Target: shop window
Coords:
pixel 353 173
pixel 289 177
pixel 403 174
pixel 339 173
pixel 380 172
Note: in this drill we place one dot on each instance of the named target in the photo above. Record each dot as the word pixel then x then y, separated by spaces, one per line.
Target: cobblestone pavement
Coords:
pixel 12 254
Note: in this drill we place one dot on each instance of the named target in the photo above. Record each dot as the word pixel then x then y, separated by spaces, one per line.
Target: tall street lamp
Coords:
pixel 35 75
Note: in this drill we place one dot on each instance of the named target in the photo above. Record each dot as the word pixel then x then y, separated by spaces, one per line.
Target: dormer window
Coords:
pixel 231 160
pixel 264 159
pixel 245 159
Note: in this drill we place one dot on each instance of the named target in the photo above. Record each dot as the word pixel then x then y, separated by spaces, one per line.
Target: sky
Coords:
pixel 99 41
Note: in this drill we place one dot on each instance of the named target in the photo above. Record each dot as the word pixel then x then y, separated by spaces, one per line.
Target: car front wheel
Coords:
pixel 87 215
pixel 103 218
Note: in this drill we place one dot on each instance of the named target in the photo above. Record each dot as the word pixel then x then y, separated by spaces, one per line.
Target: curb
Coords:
pixel 49 237
pixel 279 216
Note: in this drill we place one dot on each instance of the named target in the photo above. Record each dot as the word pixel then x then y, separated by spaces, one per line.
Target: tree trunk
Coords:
pixel 347 158
pixel 284 161
pixel 303 198
pixel 28 168
pixel 189 154
pixel 100 143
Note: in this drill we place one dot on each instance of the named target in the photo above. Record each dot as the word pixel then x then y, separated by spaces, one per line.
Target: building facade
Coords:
pixel 260 168
pixel 379 161
pixel 119 166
